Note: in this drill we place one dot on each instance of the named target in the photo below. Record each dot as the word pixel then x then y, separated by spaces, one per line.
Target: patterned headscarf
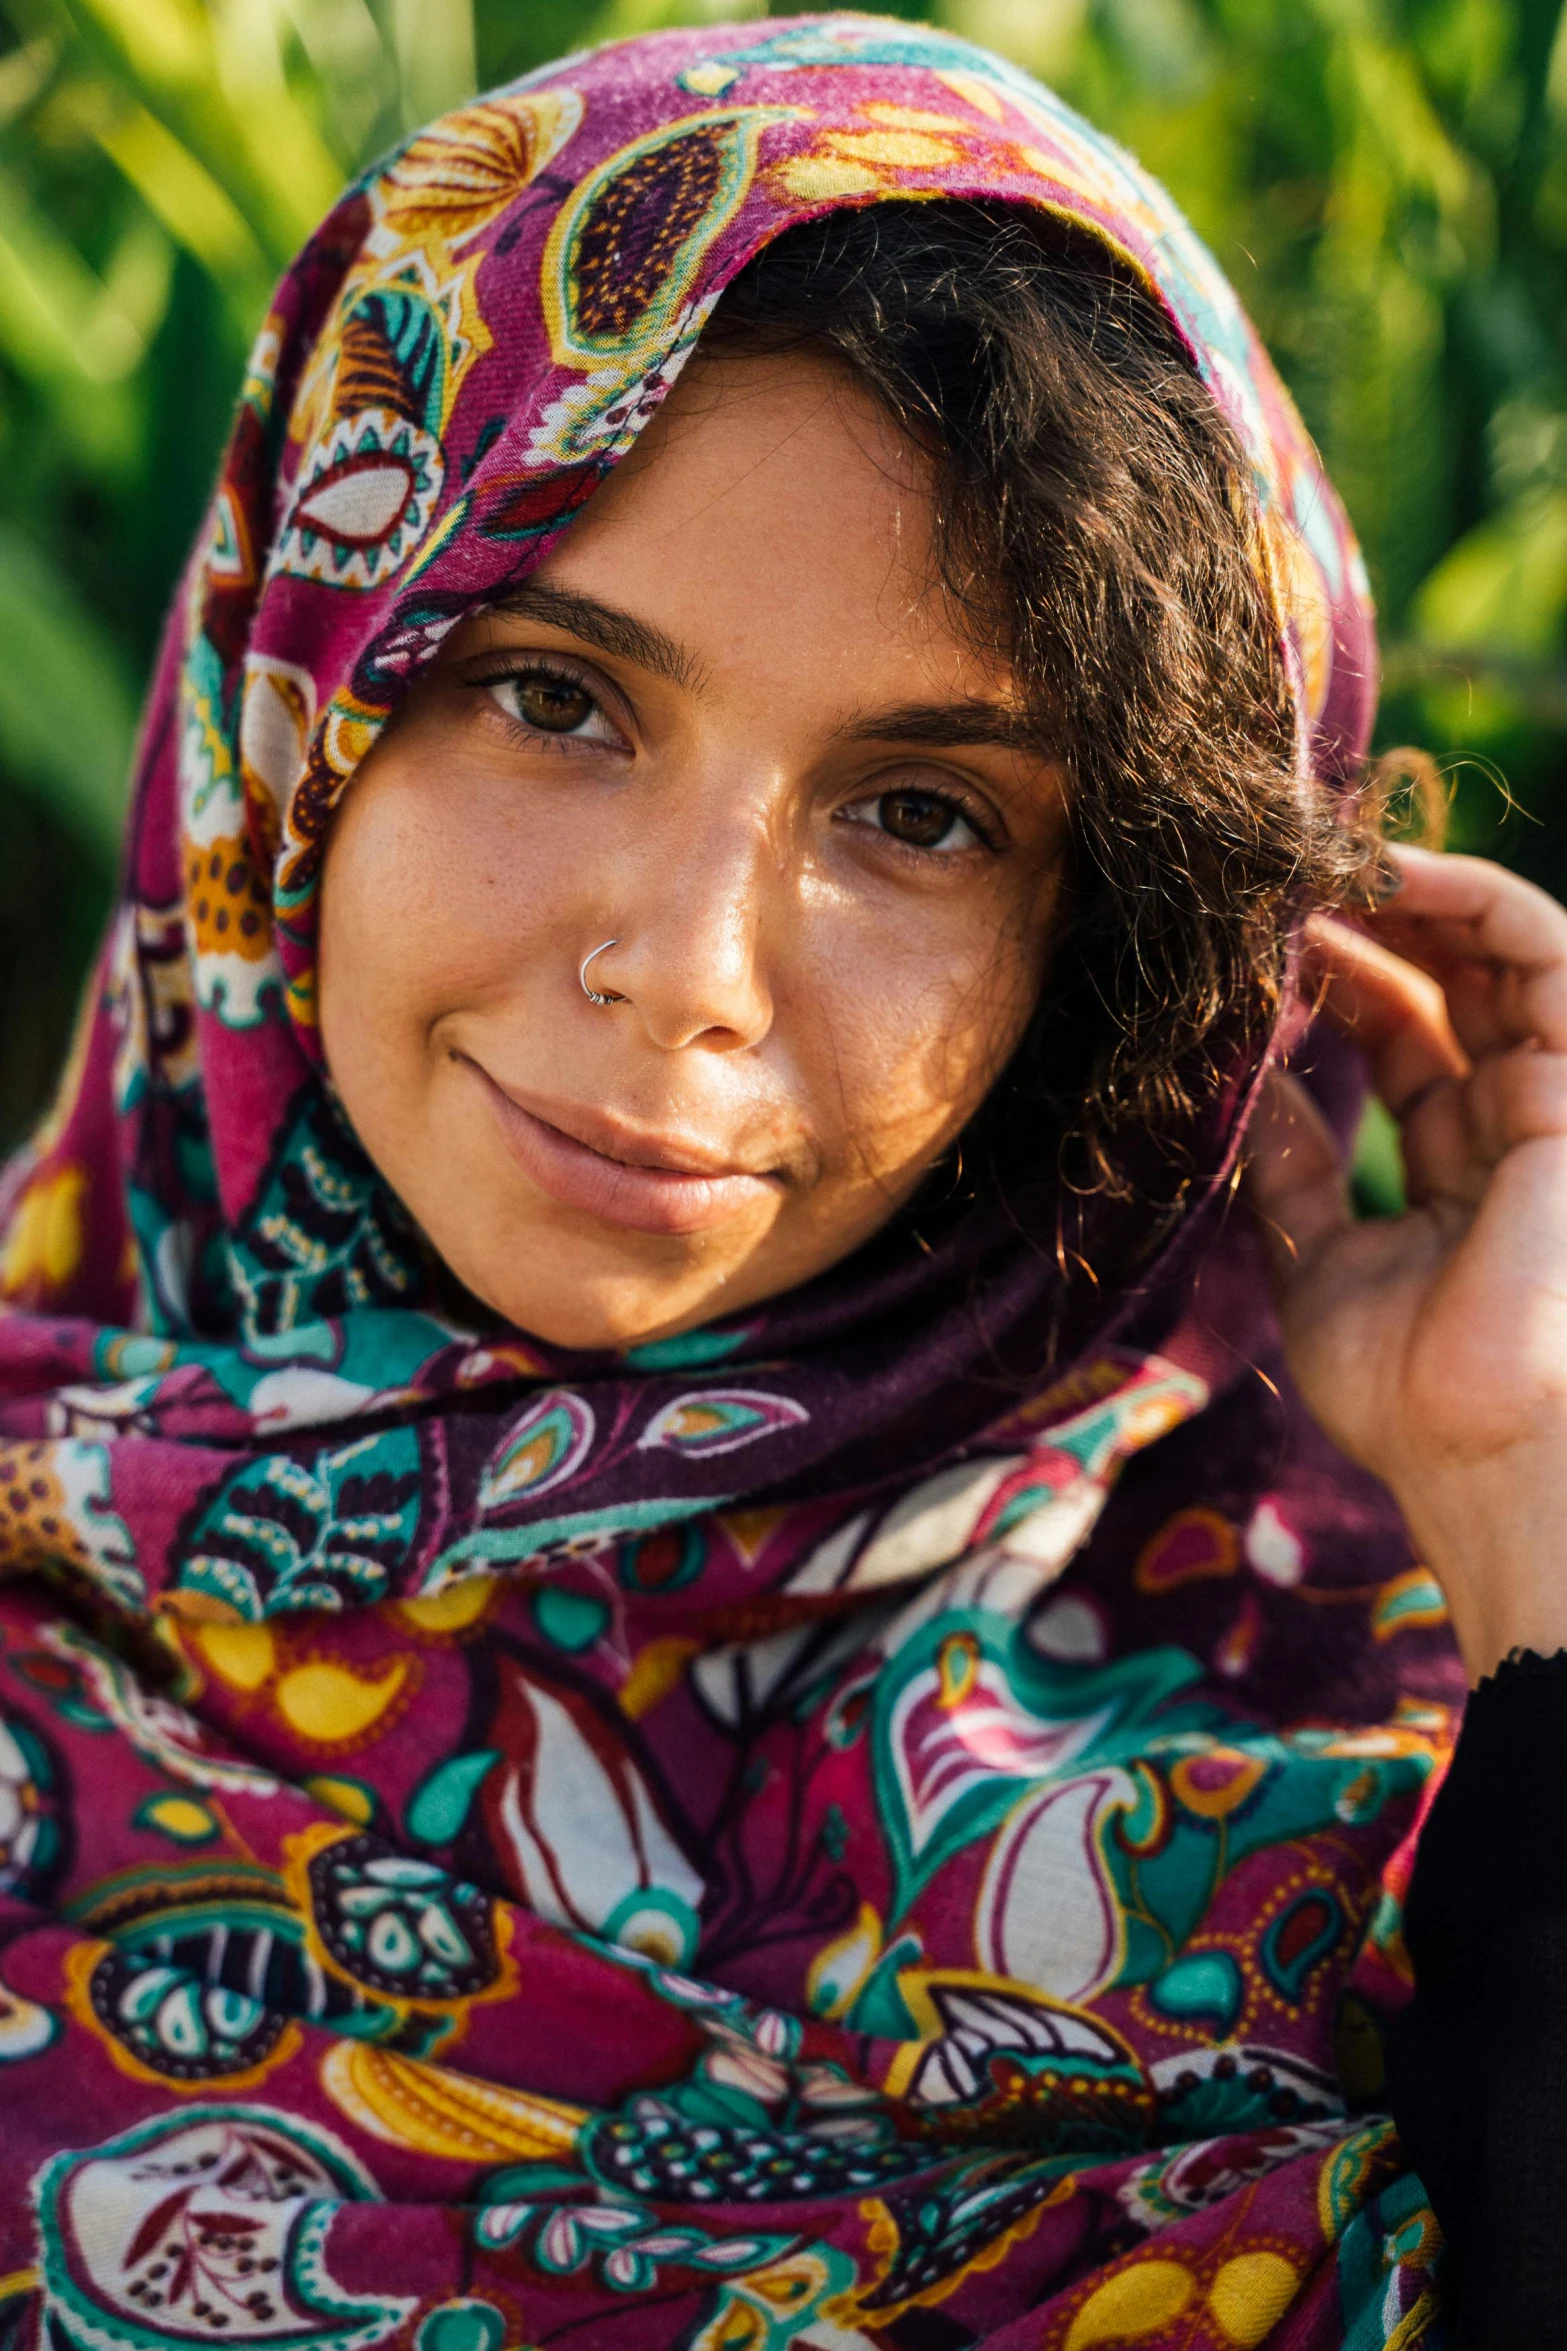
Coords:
pixel 196 1254
pixel 775 1841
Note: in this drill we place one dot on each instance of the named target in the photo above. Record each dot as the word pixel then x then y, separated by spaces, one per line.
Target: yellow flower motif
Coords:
pixel 819 179
pixel 894 150
pixel 243 1655
pixel 1251 2294
pixel 328 1704
pixel 1132 2304
pixel 405 2102
pixel 915 118
pixel 44 1246
pixel 451 181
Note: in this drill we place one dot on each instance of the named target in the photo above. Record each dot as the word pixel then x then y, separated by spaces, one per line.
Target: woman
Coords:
pixel 596 1745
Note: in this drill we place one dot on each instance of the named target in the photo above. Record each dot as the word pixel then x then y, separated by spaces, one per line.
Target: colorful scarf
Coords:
pixel 782 1837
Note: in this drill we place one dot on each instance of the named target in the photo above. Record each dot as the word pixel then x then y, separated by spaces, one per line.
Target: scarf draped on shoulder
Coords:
pixel 773 1838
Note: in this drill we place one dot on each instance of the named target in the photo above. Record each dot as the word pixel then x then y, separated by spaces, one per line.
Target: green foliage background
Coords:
pixel 1385 180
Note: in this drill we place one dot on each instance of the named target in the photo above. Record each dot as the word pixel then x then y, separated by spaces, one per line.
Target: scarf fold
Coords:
pixel 781 1837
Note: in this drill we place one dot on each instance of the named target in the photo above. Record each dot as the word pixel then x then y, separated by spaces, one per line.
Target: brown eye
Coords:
pixel 919 819
pixel 556 705
pixel 927 821
pixel 551 704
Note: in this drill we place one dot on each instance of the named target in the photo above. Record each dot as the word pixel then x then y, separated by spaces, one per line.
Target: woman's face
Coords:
pixel 732 725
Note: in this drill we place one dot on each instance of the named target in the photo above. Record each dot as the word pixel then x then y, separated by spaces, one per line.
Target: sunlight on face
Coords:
pixel 730 725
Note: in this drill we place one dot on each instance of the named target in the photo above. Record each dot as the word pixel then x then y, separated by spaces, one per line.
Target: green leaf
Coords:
pixel 1377 1167
pixel 433 42
pixel 67 712
pixel 176 60
pixel 183 195
pixel 1503 588
pixel 439 1805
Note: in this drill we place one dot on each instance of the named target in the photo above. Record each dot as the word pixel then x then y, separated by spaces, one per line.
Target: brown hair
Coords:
pixel 1095 521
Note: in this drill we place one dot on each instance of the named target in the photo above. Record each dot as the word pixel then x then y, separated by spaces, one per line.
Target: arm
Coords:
pixel 1433 1348
pixel 1478 2076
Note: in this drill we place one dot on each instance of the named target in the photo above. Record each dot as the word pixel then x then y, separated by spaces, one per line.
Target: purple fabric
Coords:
pixel 781 1837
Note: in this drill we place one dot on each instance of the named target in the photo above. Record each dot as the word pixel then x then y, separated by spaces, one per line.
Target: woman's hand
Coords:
pixel 1433 1346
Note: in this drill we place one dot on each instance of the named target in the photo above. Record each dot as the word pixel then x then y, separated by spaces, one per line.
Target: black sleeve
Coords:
pixel 1478 2075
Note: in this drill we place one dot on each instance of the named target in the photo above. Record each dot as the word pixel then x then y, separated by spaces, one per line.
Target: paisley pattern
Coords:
pixel 31 1826
pixel 853 1829
pixel 398 1926
pixel 720 1420
pixel 211 2223
pixel 292 1534
pixel 175 2025
pixel 540 1451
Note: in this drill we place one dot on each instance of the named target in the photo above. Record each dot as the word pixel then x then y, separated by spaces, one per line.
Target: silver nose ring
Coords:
pixel 592 994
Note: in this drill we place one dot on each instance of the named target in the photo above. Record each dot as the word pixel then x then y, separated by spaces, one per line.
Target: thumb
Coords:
pixel 1295 1179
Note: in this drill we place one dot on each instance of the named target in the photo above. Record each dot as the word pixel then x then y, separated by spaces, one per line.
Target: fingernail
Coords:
pixel 1386 883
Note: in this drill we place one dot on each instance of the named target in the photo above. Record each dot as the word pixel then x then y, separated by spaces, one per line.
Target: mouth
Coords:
pixel 643 1183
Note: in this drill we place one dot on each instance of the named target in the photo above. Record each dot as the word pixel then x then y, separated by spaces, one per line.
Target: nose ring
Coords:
pixel 592 994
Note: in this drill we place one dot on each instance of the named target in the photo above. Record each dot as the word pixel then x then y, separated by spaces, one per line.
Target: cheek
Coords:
pixel 913 1031
pixel 382 948
pixel 429 906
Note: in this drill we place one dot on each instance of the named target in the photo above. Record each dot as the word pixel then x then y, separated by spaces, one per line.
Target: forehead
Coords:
pixel 484 328
pixel 786 443
pixel 774 513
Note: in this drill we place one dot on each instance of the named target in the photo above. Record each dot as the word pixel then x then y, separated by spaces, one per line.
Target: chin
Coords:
pixel 580 1310
pixel 583 1329
pixel 559 1279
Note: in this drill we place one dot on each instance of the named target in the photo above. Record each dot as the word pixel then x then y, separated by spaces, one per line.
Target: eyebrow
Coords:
pixel 617 633
pixel 948 726
pixel 936 726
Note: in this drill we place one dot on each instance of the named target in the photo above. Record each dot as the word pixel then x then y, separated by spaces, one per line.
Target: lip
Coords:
pixel 654 1188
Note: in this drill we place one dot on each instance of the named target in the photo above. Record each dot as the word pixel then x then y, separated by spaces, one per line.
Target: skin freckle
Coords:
pixel 731 726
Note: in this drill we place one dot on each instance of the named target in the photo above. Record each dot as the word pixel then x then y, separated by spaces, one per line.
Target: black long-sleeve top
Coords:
pixel 1478 2080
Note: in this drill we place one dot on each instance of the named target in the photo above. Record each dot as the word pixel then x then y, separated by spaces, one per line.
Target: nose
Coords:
pixel 696 896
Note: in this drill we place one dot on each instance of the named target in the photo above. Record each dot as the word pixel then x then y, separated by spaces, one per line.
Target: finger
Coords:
pixel 1469 910
pixel 1482 996
pixel 1398 1017
pixel 1396 1013
pixel 1479 1019
pixel 1295 1178
pixel 1518 1097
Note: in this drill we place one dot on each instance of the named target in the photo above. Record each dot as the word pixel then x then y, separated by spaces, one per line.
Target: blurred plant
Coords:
pixel 1387 185
pixel 160 160
pixel 1386 180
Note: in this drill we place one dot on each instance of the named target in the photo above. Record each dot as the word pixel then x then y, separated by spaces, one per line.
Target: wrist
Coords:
pixel 1494 1534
